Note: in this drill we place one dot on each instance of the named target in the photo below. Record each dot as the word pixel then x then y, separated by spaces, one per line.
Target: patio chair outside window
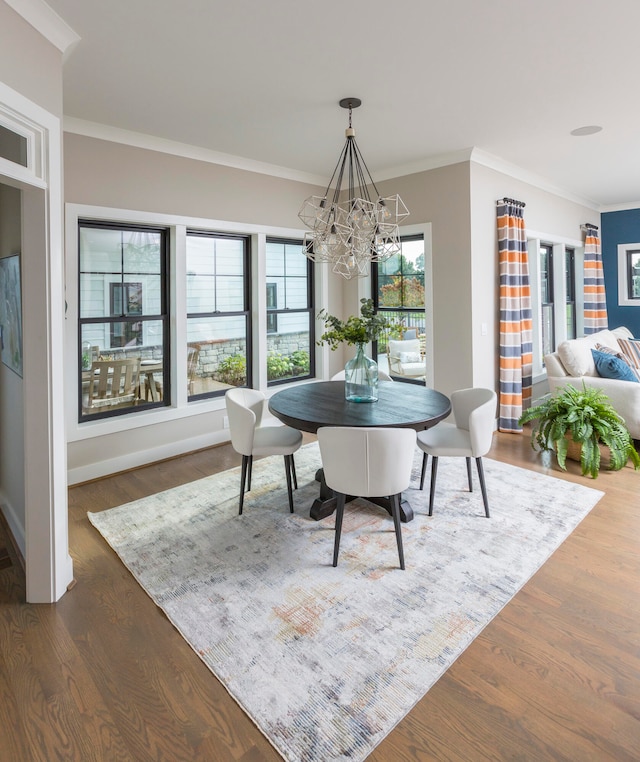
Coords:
pixel 114 383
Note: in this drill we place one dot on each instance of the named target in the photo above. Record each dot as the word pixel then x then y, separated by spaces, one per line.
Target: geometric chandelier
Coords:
pixel 352 229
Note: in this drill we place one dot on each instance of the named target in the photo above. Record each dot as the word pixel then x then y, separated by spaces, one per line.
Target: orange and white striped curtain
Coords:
pixel 516 351
pixel 595 302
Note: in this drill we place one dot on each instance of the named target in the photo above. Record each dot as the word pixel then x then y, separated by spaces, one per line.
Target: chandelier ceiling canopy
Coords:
pixel 351 228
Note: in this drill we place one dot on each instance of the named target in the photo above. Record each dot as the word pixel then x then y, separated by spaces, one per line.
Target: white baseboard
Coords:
pixel 144 457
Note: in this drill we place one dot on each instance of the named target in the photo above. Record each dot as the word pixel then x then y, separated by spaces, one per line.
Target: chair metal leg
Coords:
pixel 246 460
pixel 425 458
pixel 340 501
pixel 470 480
pixel 250 469
pixel 483 486
pixel 434 471
pixel 395 509
pixel 287 470
pixel 293 472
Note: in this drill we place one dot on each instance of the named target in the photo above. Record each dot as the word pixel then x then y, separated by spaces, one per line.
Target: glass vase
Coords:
pixel 361 378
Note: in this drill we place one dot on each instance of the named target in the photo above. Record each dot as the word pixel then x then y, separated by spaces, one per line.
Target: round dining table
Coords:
pixel 308 407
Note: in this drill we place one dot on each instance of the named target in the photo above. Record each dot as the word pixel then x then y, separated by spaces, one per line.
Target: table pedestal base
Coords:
pixel 325 505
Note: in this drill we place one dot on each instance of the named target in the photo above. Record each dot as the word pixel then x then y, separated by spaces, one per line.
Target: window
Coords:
pixel 122 318
pixel 13 146
pixel 629 274
pixel 399 290
pixel 633 274
pixel 546 299
pixel 570 291
pixel 272 306
pixel 557 296
pixel 218 313
pixel 290 311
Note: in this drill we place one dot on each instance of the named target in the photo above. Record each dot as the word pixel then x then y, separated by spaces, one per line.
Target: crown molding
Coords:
pixel 627 206
pixel 424 165
pixel 518 173
pixel 175 148
pixel 162 145
pixel 46 21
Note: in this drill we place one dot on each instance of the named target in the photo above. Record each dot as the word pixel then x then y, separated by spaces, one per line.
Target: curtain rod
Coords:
pixel 506 200
pixel 588 226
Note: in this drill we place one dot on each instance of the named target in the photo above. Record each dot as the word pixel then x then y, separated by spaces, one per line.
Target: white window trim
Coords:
pixel 35 173
pixel 623 284
pixel 177 225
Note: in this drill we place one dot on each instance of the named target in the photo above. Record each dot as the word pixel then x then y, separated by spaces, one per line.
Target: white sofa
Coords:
pixel 573 363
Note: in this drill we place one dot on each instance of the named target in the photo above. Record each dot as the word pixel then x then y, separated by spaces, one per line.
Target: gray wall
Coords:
pixel 28 63
pixel 442 197
pixel 114 175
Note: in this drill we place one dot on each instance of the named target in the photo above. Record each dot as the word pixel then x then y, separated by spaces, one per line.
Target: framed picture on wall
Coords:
pixel 11 313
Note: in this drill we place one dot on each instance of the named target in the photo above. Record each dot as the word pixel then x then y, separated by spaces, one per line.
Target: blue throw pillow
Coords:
pixel 609 366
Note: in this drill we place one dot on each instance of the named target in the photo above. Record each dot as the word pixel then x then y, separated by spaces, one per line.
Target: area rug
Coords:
pixel 326 661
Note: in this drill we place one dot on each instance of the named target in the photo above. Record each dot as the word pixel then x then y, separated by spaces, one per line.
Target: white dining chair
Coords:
pixel 474 412
pixel 367 462
pixel 382 376
pixel 249 437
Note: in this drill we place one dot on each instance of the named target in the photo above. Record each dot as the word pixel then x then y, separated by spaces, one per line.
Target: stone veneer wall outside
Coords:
pixel 212 353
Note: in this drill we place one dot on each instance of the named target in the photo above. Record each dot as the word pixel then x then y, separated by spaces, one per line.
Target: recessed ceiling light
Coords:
pixel 590 129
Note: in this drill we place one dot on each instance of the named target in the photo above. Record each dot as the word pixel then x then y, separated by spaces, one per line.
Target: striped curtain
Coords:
pixel 515 315
pixel 595 303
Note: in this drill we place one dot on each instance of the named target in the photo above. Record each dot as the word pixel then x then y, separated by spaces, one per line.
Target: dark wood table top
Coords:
pixel 307 407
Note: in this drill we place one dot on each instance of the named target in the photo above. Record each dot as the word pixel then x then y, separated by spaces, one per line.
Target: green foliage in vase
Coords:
pixel 586 416
pixel 355 330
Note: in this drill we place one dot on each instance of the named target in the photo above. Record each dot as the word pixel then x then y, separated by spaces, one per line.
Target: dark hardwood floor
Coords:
pixel 103 675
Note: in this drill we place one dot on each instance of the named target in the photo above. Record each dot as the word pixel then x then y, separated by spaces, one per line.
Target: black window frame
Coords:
pixel 246 312
pixel 164 317
pixel 310 310
pixel 570 290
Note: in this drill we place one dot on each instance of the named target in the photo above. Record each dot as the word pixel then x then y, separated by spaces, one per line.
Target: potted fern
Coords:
pixel 587 418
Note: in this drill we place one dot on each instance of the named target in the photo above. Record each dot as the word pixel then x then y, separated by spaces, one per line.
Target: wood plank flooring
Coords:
pixel 103 675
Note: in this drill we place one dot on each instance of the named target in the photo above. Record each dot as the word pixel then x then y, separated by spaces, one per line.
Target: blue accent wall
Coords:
pixel 617 228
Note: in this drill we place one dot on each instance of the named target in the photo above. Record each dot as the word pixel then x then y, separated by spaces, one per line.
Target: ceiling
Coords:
pixel 262 80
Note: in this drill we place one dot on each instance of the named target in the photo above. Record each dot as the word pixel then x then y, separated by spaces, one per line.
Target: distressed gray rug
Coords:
pixel 327 661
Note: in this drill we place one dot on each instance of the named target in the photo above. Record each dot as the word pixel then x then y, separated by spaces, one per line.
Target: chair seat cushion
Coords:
pixel 412 368
pixel 445 439
pixel 276 440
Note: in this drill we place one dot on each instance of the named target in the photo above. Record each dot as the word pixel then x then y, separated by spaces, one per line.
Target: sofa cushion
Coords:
pixel 575 354
pixel 610 366
pixel 631 350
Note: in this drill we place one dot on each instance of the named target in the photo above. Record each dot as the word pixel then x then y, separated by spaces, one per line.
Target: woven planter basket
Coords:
pixel 575 448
